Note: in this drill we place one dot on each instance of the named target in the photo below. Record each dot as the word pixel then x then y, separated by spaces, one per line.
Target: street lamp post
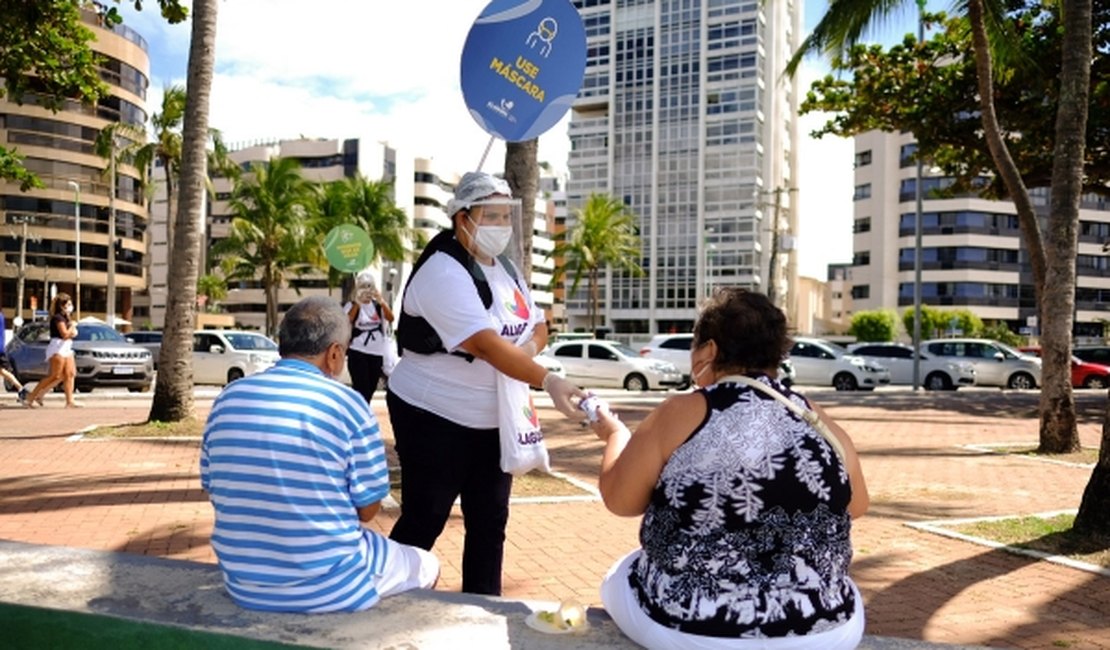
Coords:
pixel 917 235
pixel 77 244
pixel 22 271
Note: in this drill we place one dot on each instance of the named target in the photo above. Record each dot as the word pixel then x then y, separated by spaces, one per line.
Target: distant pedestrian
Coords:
pixel 293 463
pixel 371 335
pixel 59 354
pixel 6 370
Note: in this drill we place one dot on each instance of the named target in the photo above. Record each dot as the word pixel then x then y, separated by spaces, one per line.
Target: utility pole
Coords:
pixel 772 271
pixel 111 316
pixel 77 245
pixel 23 220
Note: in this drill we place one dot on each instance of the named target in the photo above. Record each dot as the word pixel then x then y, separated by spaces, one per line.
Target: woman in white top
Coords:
pixel 59 353
pixel 464 309
pixel 370 335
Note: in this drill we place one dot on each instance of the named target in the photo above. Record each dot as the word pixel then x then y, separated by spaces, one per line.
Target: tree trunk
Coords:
pixel 1058 432
pixel 173 390
pixel 1094 509
pixel 523 174
pixel 170 212
pixel 269 285
pixel 593 298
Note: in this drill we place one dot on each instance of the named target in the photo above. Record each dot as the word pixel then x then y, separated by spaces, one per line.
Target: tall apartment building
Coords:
pixel 421 187
pixel 65 225
pixel 685 116
pixel 973 256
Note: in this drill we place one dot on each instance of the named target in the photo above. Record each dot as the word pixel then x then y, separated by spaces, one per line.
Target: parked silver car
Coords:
pixel 103 357
pixel 936 373
pixel 996 364
pixel 150 340
pixel 598 363
pixel 823 363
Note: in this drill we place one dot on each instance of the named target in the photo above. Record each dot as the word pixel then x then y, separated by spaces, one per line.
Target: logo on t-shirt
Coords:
pixel 530 413
pixel 518 306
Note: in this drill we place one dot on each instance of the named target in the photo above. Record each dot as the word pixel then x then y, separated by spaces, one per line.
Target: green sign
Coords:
pixel 348 248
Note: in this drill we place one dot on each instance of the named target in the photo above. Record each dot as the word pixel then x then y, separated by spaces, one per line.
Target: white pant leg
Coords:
pixel 407 567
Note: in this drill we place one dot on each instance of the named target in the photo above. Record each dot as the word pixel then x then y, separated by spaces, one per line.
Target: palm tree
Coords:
pixel 173 389
pixel 166 149
pixel 213 288
pixel 369 205
pixel 272 233
pixel 841 27
pixel 118 143
pixel 603 235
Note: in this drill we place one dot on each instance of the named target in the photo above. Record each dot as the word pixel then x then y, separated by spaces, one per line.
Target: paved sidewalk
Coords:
pixel 144 497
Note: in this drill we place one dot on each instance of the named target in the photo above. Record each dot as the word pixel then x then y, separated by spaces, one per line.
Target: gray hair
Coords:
pixel 311 325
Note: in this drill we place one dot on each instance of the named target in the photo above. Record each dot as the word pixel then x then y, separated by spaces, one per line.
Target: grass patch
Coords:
pixel 532 484
pixel 1052 535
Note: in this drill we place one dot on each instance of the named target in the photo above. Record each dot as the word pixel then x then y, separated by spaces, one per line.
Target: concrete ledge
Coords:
pixel 191 595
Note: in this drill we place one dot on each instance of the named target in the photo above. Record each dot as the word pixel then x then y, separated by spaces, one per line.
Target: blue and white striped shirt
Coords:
pixel 288 455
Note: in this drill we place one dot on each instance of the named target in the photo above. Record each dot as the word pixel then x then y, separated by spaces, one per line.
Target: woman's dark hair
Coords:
pixel 750 332
pixel 59 303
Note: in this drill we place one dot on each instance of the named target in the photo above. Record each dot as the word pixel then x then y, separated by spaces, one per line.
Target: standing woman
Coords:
pixel 59 353
pixel 465 318
pixel 370 335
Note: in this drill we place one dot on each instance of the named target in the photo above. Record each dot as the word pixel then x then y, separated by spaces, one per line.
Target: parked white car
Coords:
pixel 936 373
pixel 676 349
pixel 222 356
pixel 822 363
pixel 996 364
pixel 600 363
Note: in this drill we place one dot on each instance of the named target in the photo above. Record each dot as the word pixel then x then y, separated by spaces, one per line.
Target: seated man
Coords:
pixel 293 461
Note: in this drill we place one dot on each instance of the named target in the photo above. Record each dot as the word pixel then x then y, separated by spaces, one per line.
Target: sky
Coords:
pixel 389 70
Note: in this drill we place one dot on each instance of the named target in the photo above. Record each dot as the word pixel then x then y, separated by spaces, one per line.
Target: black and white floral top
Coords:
pixel 747 532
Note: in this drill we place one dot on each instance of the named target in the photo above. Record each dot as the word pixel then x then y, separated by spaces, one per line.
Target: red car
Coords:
pixel 1083 374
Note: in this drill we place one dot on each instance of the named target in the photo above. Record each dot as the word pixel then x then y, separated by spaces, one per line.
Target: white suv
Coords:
pixel 936 373
pixel 996 364
pixel 222 356
pixel 822 363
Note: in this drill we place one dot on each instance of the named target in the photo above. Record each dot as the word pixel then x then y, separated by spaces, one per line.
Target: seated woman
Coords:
pixel 746 506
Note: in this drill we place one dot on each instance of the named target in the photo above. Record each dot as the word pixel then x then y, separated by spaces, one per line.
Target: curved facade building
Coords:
pixel 67 222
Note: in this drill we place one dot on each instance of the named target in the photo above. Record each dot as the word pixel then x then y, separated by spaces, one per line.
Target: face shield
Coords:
pixel 487 219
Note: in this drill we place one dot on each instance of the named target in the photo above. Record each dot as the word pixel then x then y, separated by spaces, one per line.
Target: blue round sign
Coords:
pixel 522 66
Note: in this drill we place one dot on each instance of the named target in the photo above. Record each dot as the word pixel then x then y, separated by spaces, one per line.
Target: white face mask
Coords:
pixel 491 240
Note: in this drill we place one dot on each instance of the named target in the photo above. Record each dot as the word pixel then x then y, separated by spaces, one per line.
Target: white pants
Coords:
pixel 620 602
pixel 407 567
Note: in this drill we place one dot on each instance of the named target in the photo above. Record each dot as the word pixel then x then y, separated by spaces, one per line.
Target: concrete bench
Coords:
pixel 190 595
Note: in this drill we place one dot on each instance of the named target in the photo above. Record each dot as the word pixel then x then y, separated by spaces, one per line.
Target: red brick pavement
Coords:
pixel 143 497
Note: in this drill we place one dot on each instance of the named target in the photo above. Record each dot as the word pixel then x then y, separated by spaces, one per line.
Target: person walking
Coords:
pixel 7 372
pixel 59 354
pixel 463 311
pixel 747 493
pixel 371 334
pixel 293 463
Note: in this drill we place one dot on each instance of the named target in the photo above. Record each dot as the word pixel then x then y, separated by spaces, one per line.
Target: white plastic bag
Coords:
pixel 522 447
pixel 389 357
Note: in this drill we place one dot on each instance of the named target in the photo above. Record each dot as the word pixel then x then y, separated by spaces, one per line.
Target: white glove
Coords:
pixel 562 392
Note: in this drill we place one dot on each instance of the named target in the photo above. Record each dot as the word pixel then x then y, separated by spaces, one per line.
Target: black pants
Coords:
pixel 441 460
pixel 365 371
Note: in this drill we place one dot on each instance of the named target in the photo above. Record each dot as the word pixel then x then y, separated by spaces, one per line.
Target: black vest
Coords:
pixel 414 333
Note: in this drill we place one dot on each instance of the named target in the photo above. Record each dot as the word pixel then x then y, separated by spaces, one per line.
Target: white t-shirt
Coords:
pixel 443 293
pixel 375 330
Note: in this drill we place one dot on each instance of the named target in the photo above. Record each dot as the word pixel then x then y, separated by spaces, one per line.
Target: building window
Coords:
pixel 862 225
pixel 863 159
pixel 862 291
pixel 862 192
pixel 863 258
pixel 906 155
